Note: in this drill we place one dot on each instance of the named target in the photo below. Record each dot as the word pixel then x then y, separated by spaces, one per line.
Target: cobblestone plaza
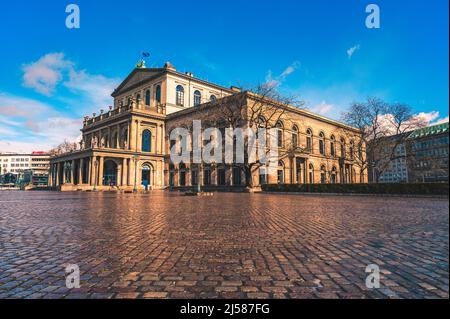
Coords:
pixel 166 245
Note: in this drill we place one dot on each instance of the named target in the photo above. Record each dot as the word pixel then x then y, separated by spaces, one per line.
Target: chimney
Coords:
pixel 235 89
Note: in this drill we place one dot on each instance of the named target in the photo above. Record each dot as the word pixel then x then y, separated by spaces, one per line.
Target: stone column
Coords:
pixel 231 173
pixel 119 174
pixel 137 139
pixel 80 172
pixel 162 140
pixel 88 179
pixel 125 172
pixel 50 176
pixel 200 174
pixel 294 171
pixel 100 171
pixel 118 136
pixel 57 167
pixel 72 175
pixel 93 170
pixel 131 172
pixel 306 173
pixel 130 134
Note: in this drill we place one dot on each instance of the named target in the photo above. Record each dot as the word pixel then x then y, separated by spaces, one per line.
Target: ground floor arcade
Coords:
pixel 106 170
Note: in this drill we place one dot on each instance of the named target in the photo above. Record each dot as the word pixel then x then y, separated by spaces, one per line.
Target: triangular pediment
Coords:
pixel 136 77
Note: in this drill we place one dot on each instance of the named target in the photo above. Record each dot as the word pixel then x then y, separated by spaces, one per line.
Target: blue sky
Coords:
pixel 319 50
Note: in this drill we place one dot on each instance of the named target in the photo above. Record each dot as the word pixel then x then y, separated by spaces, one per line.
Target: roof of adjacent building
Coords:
pixel 429 131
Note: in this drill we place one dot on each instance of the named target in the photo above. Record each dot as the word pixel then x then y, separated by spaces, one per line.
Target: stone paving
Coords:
pixel 165 245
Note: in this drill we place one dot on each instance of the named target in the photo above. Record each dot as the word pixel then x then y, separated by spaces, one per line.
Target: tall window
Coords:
pixel 360 151
pixel 311 173
pixel 138 99
pixel 213 98
pixel 351 149
pixel 146 141
pixel 323 175
pixel 280 173
pixel 207 176
pixel 147 97
pixel 261 123
pixel 279 134
pixel 333 175
pixel 236 176
pixel 342 147
pixel 180 95
pixel 333 146
pixel 309 136
pixel 322 143
pixel 125 138
pixel 158 94
pixel 295 136
pixel 197 98
pixel 221 176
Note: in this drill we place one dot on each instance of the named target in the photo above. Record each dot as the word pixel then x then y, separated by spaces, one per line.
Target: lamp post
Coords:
pixel 135 158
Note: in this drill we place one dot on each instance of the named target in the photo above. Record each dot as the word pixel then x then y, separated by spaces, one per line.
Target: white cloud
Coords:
pixel 352 50
pixel 93 92
pixel 46 73
pixel 278 80
pixel 92 89
pixel 431 118
pixel 442 120
pixel 322 108
pixel 27 125
pixel 426 117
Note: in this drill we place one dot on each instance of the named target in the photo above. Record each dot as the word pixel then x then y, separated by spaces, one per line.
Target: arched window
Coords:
pixel 180 95
pixel 114 141
pixel 351 149
pixel 323 175
pixel 147 97
pixel 342 147
pixel 260 123
pixel 197 98
pixel 138 99
pixel 129 101
pixel 280 172
pixel 295 136
pixel 360 151
pixel 322 143
pixel 311 173
pixel 146 141
pixel 279 127
pixel 158 94
pixel 333 146
pixel 125 138
pixel 309 136
pixel 213 98
pixel 333 175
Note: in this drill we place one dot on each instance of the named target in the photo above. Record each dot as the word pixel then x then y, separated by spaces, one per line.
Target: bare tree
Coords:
pixel 64 147
pixel 383 129
pixel 260 107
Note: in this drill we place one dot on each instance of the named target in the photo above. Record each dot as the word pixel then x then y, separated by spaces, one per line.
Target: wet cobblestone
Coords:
pixel 164 245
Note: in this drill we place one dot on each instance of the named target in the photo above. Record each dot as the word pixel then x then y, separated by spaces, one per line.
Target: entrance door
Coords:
pixel 146 174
